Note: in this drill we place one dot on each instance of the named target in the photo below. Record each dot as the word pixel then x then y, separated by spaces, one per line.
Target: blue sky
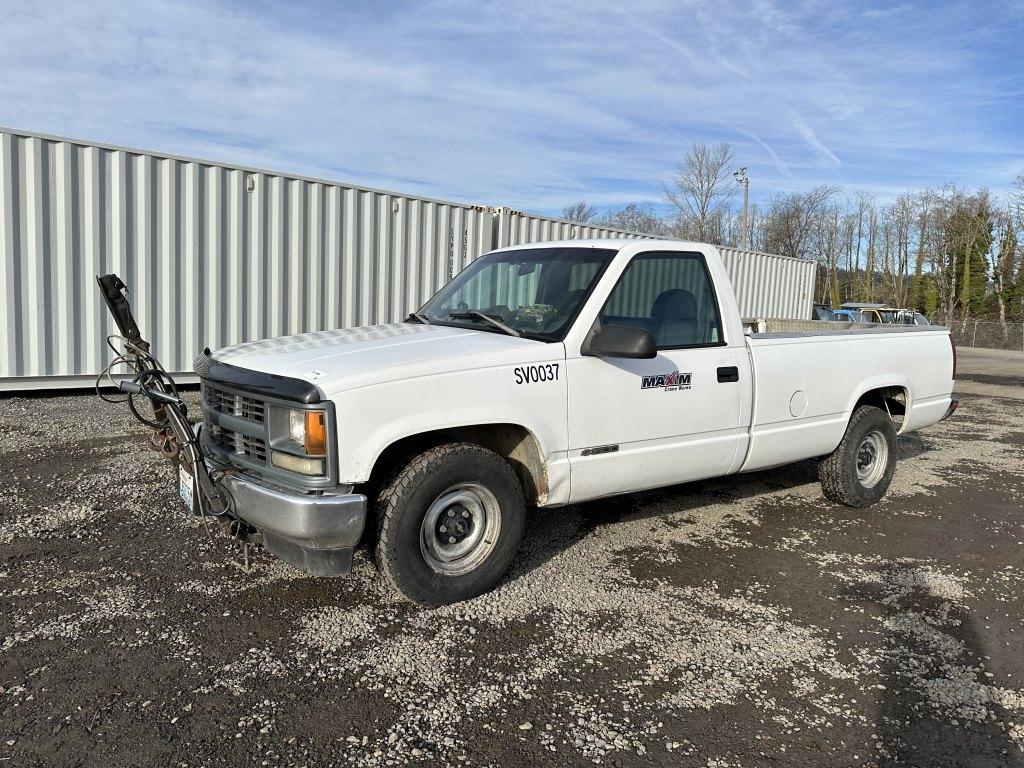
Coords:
pixel 535 104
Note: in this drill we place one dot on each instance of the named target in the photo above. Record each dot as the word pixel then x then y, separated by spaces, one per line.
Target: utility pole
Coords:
pixel 742 178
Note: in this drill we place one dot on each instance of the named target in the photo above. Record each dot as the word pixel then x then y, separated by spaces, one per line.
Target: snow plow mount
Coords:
pixel 173 435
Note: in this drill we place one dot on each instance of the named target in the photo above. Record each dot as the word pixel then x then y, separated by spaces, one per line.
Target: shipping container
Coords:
pixel 212 254
pixel 517 228
pixel 217 254
pixel 768 285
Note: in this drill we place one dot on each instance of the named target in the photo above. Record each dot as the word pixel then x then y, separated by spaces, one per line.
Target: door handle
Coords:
pixel 728 374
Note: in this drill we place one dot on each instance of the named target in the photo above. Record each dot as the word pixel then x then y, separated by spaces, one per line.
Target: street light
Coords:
pixel 741 178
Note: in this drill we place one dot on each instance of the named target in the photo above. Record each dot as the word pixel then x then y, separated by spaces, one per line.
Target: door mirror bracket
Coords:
pixel 620 341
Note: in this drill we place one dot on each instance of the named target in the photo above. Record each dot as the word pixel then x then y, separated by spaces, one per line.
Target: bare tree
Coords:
pixel 898 220
pixel 701 189
pixel 636 217
pixel 1017 199
pixel 581 212
pixel 792 217
pixel 1003 264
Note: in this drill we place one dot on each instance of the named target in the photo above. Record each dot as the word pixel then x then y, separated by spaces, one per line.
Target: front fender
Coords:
pixel 371 419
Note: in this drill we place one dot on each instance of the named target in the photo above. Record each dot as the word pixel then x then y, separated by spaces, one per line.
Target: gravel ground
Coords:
pixel 737 622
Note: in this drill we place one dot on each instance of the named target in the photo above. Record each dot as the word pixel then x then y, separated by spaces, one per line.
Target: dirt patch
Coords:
pixel 741 621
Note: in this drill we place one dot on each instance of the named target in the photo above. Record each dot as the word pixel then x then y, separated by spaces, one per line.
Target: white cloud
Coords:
pixel 531 105
pixel 812 141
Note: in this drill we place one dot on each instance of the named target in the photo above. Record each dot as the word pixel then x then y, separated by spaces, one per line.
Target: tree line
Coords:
pixel 949 252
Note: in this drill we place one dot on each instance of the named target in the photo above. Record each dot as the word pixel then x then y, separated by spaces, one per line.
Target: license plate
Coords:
pixel 185 486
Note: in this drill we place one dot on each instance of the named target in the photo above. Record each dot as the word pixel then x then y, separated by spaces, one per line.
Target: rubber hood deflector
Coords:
pixel 257 382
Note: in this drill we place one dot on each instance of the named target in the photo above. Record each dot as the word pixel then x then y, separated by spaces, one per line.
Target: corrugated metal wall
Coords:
pixel 767 285
pixel 517 228
pixel 215 255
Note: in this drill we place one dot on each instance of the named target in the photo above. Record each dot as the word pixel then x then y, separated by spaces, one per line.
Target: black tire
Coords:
pixel 869 430
pixel 404 502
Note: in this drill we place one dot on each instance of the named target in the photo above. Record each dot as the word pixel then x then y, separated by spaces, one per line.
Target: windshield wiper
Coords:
pixel 477 315
pixel 418 317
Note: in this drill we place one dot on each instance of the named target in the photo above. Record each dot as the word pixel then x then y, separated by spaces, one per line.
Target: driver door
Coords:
pixel 637 424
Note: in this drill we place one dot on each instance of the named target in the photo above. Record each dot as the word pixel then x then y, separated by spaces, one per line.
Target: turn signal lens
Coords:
pixel 316 433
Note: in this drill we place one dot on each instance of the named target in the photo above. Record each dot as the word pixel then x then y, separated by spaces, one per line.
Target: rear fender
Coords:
pixel 884 381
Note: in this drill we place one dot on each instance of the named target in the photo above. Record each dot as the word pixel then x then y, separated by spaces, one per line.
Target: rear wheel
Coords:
pixel 449 524
pixel 858 472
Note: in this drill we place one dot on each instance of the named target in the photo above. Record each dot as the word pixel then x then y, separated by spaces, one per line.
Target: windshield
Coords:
pixel 537 292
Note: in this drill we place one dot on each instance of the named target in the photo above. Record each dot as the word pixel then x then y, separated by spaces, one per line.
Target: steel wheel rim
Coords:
pixel 460 529
pixel 872 458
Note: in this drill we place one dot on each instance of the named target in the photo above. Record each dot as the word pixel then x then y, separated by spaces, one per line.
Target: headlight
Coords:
pixel 297 426
pixel 309 429
pixel 299 440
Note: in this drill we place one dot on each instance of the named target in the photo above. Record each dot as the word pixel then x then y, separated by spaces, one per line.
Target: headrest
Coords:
pixel 675 304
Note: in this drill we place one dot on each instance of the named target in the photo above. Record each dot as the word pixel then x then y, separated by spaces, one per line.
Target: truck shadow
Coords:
pixel 550 532
pixel 962 726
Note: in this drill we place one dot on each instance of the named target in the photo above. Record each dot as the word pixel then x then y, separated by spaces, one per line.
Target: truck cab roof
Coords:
pixel 608 243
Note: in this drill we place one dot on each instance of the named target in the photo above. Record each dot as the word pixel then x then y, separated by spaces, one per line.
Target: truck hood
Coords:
pixel 356 357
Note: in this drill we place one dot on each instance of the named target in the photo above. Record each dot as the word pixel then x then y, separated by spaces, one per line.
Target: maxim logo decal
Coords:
pixel 670 382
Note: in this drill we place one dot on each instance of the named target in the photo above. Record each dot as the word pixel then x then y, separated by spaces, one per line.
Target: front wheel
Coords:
pixel 449 524
pixel 858 472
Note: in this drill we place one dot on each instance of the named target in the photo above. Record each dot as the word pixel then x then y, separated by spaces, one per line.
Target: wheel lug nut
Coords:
pixel 444 529
pixel 451 513
pixel 465 513
pixel 451 539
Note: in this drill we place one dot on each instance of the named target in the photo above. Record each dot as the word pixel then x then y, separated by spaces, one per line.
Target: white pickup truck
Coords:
pixel 546 374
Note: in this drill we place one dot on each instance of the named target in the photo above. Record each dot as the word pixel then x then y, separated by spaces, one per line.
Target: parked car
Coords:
pixel 875 313
pixel 850 316
pixel 882 313
pixel 547 374
pixel 911 317
pixel 822 312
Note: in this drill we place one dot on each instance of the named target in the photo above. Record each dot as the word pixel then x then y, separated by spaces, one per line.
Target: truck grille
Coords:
pixel 241 406
pixel 245 407
pixel 235 442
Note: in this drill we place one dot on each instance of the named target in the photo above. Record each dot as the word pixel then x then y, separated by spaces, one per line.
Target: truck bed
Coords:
pixel 808 376
pixel 780 328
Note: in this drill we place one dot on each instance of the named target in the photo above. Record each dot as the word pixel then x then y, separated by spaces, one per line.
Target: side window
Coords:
pixel 671 295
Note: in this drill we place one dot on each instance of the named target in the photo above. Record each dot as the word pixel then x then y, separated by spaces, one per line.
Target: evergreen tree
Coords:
pixel 965 283
pixel 1009 252
pixel 977 256
pixel 1018 283
pixel 931 295
pixel 917 283
pixel 969 234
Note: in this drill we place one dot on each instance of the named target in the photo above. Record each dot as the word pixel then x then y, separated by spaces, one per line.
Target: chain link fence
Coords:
pixel 986 333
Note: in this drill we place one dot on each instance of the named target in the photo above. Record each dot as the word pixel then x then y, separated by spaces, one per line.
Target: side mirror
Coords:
pixel 621 341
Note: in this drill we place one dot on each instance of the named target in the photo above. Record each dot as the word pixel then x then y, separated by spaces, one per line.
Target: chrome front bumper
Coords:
pixel 315 533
